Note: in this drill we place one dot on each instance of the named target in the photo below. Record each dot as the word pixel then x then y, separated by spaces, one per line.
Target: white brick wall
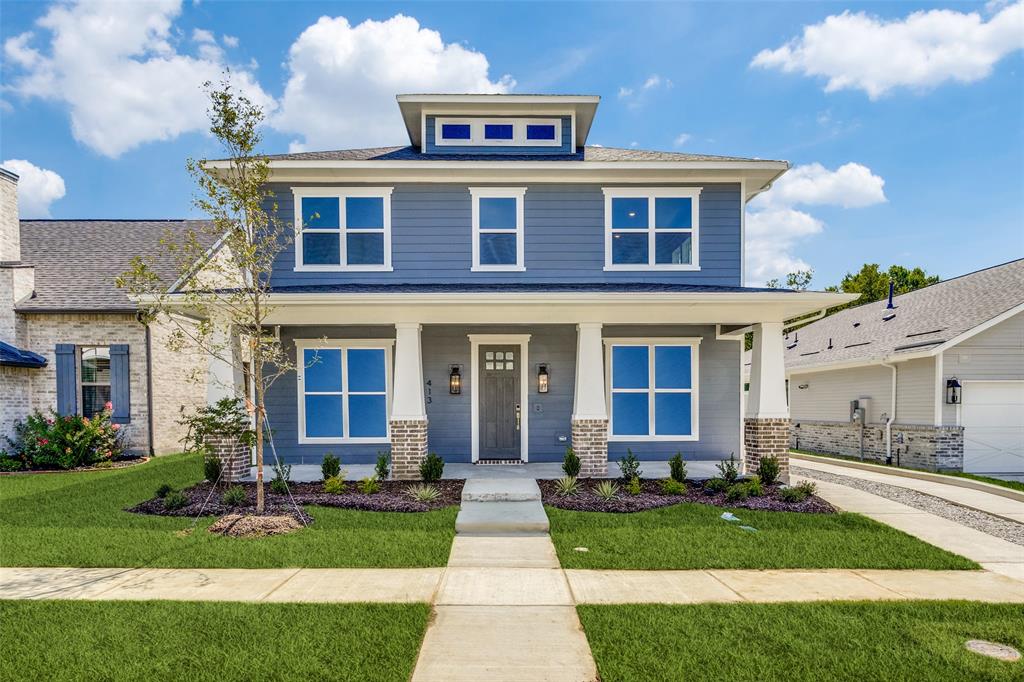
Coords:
pixel 179 379
pixel 10 230
pixel 15 399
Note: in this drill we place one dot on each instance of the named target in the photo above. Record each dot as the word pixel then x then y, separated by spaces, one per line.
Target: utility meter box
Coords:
pixel 858 410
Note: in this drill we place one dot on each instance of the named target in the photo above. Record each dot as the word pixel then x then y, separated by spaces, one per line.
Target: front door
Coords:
pixel 500 415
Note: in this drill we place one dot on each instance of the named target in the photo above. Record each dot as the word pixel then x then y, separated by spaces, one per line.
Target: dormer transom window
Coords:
pixel 500 132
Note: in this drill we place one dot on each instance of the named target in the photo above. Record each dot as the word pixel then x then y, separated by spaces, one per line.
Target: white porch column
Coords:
pixel 590 409
pixel 766 423
pixel 408 407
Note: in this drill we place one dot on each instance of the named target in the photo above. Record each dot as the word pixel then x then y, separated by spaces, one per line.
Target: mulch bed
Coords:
pixel 251 526
pixel 391 498
pixel 120 463
pixel 651 497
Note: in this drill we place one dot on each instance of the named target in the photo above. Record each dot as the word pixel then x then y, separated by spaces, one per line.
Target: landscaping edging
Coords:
pixel 651 497
pixel 118 464
pixel 392 497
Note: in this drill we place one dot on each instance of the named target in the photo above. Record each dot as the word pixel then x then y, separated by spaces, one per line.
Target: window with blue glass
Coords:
pixel 651 229
pixel 653 387
pixel 456 131
pixel 343 228
pixel 540 131
pixel 343 393
pixel 499 131
pixel 497 228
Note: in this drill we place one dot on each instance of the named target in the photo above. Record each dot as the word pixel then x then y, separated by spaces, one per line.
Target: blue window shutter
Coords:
pixel 119 383
pixel 67 383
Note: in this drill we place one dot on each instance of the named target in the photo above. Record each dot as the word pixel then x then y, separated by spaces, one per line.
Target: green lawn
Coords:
pixel 177 641
pixel 692 536
pixel 77 519
pixel 1012 485
pixel 893 641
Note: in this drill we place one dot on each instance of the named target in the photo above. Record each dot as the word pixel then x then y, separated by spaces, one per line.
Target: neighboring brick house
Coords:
pixel 70 340
pixel 939 373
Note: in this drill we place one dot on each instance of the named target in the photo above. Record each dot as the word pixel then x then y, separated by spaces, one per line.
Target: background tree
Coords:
pixel 872 283
pixel 229 288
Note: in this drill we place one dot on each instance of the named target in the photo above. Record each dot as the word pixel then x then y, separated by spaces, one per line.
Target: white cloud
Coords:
pixel 343 79
pixel 37 188
pixel 625 92
pixel 775 228
pixel 230 41
pixel 635 97
pixel 201 35
pixel 116 67
pixel 652 81
pixel 921 51
pixel 681 139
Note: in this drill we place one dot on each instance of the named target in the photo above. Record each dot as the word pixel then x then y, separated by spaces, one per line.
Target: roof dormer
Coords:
pixel 498 124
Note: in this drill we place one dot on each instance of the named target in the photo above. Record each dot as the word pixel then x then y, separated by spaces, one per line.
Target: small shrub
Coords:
pixel 424 493
pixel 808 487
pixel 571 464
pixel 369 486
pixel 282 476
pixel 670 486
pixel 567 486
pixel 629 466
pixel 607 490
pixel 330 467
pixel 792 495
pixel 383 466
pixel 228 417
pixel 8 463
pixel 211 468
pixel 768 469
pixel 677 468
pixel 737 492
pixel 715 486
pixel 335 485
pixel 754 487
pixel 233 496
pixel 432 468
pixel 729 469
pixel 163 489
pixel 633 488
pixel 53 441
pixel 175 500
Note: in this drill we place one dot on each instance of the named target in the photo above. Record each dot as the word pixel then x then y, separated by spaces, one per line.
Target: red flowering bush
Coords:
pixel 65 442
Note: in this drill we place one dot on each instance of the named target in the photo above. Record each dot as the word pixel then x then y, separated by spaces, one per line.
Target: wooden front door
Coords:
pixel 500 415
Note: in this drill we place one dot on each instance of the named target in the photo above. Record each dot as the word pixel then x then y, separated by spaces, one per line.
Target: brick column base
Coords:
pixel 234 457
pixel 763 437
pixel 590 443
pixel 408 447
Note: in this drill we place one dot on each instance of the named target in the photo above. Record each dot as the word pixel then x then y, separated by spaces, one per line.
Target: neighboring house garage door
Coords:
pixel 993 419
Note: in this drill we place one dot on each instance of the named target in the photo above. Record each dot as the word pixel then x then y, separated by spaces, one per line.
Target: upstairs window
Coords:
pixel 653 389
pixel 497 132
pixel 651 229
pixel 498 228
pixel 343 228
pixel 540 131
pixel 343 391
pixel 455 131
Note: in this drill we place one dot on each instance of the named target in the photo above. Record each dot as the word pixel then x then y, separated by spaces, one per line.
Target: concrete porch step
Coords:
pixel 501 518
pixel 500 490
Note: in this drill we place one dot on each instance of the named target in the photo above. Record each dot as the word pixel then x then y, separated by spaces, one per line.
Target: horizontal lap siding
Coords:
pixel 564 239
pixel 996 354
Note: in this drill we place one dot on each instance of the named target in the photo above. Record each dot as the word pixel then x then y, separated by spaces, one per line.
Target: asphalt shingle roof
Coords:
pixel 921 319
pixel 76 261
pixel 408 153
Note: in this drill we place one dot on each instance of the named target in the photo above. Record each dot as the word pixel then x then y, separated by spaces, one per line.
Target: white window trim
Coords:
pixel 475 341
pixel 652 193
pixel 341 193
pixel 477 138
pixel 343 345
pixel 694 343
pixel 517 193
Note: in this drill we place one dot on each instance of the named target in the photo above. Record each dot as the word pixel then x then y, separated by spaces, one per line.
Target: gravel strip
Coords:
pixel 995 526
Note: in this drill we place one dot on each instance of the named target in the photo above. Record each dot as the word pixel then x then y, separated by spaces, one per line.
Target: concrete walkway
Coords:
pixel 989 503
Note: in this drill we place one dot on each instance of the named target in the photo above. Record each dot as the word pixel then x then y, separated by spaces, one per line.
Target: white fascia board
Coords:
pixel 499 99
pixel 283 164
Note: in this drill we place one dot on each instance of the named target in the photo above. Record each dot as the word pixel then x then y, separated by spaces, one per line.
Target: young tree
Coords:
pixel 226 288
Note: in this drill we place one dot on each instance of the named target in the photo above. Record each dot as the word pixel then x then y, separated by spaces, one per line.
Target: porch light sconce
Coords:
pixel 953 392
pixel 542 379
pixel 454 380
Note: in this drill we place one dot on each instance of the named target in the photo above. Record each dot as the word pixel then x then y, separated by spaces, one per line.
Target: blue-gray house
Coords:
pixel 496 291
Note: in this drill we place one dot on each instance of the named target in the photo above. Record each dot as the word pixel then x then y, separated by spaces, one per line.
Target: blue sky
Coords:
pixel 905 124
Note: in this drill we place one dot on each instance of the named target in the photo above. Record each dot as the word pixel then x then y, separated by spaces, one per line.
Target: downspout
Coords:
pixel 889 418
pixel 149 383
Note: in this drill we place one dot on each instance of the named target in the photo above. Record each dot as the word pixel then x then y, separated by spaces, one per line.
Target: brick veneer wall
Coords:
pixel 179 380
pixel 921 446
pixel 234 457
pixel 45 331
pixel 15 399
pixel 590 443
pixel 408 447
pixel 763 437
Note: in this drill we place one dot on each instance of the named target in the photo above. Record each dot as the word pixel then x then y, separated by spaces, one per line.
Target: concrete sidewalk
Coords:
pixel 996 505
